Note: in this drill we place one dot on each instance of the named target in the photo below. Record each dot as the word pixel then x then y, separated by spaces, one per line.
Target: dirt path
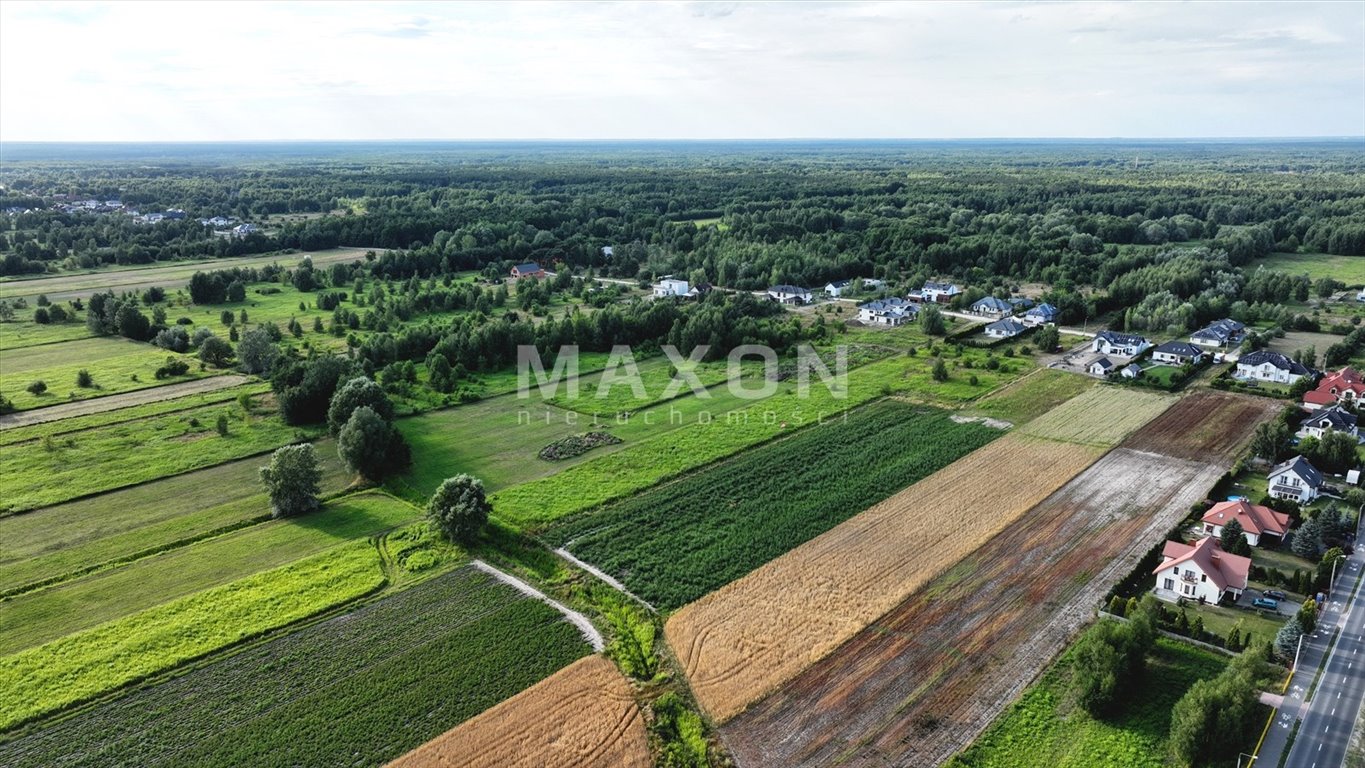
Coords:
pixel 123 400
pixel 606 577
pixel 590 632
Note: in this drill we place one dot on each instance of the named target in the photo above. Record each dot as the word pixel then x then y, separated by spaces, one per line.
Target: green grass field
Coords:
pixel 673 544
pixel 1220 620
pixel 1348 269
pixel 49 543
pixel 1031 396
pixel 117 365
pixel 1038 732
pixel 44 472
pixel 23 332
pixel 37 617
pixel 47 678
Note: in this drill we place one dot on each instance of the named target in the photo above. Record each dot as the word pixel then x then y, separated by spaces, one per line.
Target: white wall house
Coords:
pixel 1101 367
pixel 1040 315
pixel 1295 480
pixel 1178 353
pixel 1005 328
pixel 789 294
pixel 890 312
pixel 939 293
pixel 1121 344
pixel 838 288
pixel 1201 571
pixel 1256 520
pixel 992 307
pixel 1343 386
pixel 671 287
pixel 1264 365
pixel 1221 333
pixel 1333 419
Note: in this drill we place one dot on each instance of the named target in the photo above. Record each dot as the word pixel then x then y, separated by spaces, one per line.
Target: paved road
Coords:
pixel 1326 718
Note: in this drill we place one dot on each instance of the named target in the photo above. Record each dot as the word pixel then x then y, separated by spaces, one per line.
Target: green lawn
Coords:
pixel 1348 269
pixel 1282 559
pixel 1220 620
pixel 117 365
pixel 44 472
pixel 1039 731
pixel 37 617
pixel 23 332
pixel 49 543
pixel 1160 374
pixel 77 667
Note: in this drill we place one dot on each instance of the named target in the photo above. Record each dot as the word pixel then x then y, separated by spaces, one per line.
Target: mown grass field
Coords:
pixel 1101 416
pixel 45 679
pixel 680 541
pixel 399 672
pixel 49 543
pixel 37 617
pixel 23 332
pixel 698 443
pixel 1348 269
pixel 1031 396
pixel 1039 732
pixel 117 365
pixel 46 472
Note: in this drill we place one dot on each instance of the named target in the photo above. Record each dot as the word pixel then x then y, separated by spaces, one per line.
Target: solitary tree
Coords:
pixel 84 379
pixel 257 352
pixel 459 508
pixel 292 480
pixel 371 446
pixel 1270 440
pixel 1307 539
pixel 1048 338
pixel 931 320
pixel 940 372
pixel 354 394
pixel 1287 639
pixel 215 352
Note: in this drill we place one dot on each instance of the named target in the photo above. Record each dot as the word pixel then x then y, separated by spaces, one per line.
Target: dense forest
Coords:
pixel 1144 224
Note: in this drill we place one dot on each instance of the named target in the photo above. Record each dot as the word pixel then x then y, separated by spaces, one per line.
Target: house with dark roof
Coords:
pixel 1343 386
pixel 1256 520
pixel 1264 365
pixel 936 293
pixel 1178 353
pixel 1295 480
pixel 1331 419
pixel 1121 344
pixel 992 307
pixel 837 288
pixel 893 311
pixel 1041 315
pixel 789 294
pixel 1221 333
pixel 1005 328
pixel 1131 371
pixel 1101 367
pixel 1201 571
pixel 529 269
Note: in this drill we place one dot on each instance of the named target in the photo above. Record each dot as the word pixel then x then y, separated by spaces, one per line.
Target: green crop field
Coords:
pixel 1032 396
pixel 77 667
pixel 117 365
pixel 37 617
pixel 361 689
pixel 23 332
pixel 1037 732
pixel 1348 269
pixel 53 542
pixel 46 472
pixel 676 543
pixel 697 443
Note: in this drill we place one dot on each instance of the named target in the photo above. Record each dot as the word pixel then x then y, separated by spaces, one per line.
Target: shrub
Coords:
pixel 84 379
pixel 174 367
pixel 37 387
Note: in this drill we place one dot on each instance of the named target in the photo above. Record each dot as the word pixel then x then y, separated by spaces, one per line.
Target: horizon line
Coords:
pixel 637 140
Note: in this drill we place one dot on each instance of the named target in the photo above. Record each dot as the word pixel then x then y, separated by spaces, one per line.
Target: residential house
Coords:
pixel 1019 302
pixel 873 284
pixel 671 287
pixel 1201 571
pixel 607 252
pixel 174 214
pixel 1332 419
pixel 893 311
pixel 938 293
pixel 1121 344
pixel 1178 353
pixel 1131 371
pixel 789 294
pixel 1296 480
pixel 1221 333
pixel 1101 367
pixel 1005 328
pixel 529 269
pixel 699 290
pixel 1256 520
pixel 1040 315
pixel 242 230
pixel 992 307
pixel 837 288
pixel 1343 386
pixel 1264 365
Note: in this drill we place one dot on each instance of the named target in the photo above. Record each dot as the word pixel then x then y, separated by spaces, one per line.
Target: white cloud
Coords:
pixel 206 71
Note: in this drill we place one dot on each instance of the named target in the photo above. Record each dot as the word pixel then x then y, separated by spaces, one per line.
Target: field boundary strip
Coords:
pixel 575 618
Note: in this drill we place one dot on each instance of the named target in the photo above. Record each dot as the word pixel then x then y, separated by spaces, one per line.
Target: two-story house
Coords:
pixel 1295 480
pixel 1121 344
pixel 1332 419
pixel 1201 571
pixel 1256 520
pixel 1343 386
pixel 1264 365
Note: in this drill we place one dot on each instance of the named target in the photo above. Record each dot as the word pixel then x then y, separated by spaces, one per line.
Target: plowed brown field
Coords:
pixel 580 717
pixel 1207 425
pixel 743 640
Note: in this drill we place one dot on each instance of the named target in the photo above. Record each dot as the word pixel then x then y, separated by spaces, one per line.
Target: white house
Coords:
pixel 1005 328
pixel 1343 386
pixel 1040 315
pixel 1101 367
pixel 1121 344
pixel 837 288
pixel 242 230
pixel 1201 571
pixel 938 293
pixel 1256 520
pixel 1131 371
pixel 992 307
pixel 1333 419
pixel 1264 365
pixel 891 311
pixel 789 294
pixel 1178 353
pixel 1296 480
pixel 671 287
pixel 607 251
pixel 1221 333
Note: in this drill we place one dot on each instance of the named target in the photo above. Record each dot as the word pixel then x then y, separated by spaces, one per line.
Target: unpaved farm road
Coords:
pixel 122 400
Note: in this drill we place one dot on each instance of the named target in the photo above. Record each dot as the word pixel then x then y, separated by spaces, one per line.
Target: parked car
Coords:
pixel 1265 602
pixel 1275 594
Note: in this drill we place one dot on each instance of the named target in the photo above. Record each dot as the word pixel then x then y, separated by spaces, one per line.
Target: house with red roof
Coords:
pixel 1344 386
pixel 1256 520
pixel 1201 571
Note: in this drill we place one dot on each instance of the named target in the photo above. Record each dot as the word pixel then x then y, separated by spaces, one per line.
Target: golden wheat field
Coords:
pixel 582 716
pixel 743 640
pixel 1102 416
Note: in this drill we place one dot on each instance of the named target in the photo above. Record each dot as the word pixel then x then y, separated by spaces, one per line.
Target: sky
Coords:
pixel 206 71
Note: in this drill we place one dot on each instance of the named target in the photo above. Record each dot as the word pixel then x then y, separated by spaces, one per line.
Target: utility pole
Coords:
pixel 1297 651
